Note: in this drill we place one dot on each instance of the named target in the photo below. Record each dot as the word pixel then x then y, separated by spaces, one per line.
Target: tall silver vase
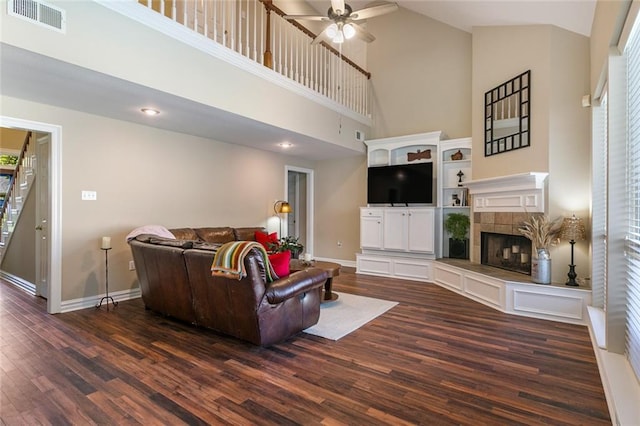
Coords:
pixel 541 267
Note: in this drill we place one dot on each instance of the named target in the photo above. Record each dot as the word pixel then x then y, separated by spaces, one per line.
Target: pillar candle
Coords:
pixel 506 253
pixel 106 242
pixel 524 258
pixel 307 257
pixel 515 249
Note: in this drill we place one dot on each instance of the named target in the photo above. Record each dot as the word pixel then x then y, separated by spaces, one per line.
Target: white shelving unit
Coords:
pixel 403 241
pixel 453 195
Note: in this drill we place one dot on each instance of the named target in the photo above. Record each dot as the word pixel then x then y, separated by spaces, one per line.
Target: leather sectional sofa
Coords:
pixel 176 281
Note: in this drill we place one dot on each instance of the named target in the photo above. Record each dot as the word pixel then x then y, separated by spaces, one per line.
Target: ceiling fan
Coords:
pixel 342 18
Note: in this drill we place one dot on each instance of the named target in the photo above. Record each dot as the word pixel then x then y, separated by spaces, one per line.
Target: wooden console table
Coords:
pixel 332 270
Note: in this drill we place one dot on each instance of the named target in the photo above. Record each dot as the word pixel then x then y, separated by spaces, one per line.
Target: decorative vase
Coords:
pixel 541 267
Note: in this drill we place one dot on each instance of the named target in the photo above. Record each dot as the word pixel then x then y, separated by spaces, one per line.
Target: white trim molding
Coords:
pixel 54 296
pixel 92 301
pixel 524 192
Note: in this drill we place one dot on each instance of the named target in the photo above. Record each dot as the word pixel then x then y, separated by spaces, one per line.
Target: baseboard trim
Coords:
pixel 91 302
pixel 342 262
pixel 19 282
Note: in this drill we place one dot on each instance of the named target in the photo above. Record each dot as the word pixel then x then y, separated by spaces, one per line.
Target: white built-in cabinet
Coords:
pixel 371 228
pixel 398 229
pixel 397 238
pixel 409 229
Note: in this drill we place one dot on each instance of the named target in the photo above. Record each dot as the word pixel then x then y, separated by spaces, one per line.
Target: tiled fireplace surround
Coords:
pixel 500 205
pixel 498 222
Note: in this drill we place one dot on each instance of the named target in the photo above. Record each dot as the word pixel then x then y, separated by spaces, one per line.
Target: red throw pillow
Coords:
pixel 267 240
pixel 280 263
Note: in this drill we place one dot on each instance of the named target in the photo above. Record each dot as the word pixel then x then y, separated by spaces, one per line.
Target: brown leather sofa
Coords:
pixel 175 280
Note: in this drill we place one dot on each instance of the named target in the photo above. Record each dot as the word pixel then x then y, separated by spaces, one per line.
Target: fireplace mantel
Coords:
pixel 523 192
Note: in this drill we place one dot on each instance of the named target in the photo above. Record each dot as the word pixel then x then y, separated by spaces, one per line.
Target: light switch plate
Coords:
pixel 89 195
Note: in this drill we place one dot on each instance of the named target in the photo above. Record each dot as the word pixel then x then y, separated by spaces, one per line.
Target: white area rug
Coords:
pixel 348 313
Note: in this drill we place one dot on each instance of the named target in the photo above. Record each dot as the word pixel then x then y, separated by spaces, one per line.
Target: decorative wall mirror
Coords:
pixel 506 116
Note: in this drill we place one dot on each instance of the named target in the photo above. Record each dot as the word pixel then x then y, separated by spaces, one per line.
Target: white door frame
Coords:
pixel 310 197
pixel 42 210
pixel 54 298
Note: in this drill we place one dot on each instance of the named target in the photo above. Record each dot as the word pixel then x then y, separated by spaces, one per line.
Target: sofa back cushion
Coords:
pixel 163 278
pixel 184 233
pixel 248 233
pixel 226 304
pixel 216 235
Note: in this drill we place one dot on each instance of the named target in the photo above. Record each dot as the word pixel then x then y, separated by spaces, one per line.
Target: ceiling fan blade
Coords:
pixel 370 12
pixel 363 34
pixel 306 17
pixel 338 7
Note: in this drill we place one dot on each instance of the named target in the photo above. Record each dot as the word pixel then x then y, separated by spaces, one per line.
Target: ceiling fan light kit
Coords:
pixel 342 17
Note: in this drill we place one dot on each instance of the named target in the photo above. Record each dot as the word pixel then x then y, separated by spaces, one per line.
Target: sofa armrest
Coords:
pixel 294 284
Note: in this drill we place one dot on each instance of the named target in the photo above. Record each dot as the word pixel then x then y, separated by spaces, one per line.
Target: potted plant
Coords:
pixel 457 226
pixel 543 233
pixel 289 243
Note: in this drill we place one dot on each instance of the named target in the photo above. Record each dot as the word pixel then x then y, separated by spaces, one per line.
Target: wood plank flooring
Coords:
pixel 434 359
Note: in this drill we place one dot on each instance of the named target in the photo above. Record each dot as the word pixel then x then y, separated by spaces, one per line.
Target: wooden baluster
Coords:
pixel 268 58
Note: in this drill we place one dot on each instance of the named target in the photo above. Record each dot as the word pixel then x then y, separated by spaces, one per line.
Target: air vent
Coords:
pixel 38 12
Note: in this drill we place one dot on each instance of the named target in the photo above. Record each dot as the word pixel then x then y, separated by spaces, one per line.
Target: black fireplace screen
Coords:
pixel 510 252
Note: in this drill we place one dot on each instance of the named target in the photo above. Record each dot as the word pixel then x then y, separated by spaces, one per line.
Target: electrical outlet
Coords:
pixel 89 195
pixel 132 266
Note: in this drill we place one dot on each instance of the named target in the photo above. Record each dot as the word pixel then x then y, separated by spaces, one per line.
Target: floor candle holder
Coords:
pixel 106 276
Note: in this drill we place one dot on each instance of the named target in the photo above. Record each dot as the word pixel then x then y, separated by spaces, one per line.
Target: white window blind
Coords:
pixel 632 252
pixel 599 204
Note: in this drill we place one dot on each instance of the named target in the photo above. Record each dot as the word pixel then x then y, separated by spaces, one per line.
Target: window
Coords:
pixel 632 249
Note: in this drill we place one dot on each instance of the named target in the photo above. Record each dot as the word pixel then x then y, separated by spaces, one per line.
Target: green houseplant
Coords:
pixel 290 243
pixel 457 226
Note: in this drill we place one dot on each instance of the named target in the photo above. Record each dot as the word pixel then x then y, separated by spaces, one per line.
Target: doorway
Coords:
pixel 299 190
pixel 48 250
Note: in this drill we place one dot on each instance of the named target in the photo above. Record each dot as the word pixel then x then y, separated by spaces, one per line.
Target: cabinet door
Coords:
pixel 371 230
pixel 421 230
pixel 396 229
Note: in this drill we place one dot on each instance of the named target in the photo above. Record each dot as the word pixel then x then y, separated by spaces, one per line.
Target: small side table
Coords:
pixel 106 276
pixel 332 270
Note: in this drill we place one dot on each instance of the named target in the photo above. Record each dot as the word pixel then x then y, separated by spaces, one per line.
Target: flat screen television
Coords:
pixel 400 184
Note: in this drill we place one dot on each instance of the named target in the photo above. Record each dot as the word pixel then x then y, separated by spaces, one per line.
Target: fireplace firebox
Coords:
pixel 510 252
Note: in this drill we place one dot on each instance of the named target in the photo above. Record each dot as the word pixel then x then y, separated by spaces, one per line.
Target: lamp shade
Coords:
pixel 282 206
pixel 572 229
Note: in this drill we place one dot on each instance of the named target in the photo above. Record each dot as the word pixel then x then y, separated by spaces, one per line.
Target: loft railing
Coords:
pixel 257 30
pixel 10 196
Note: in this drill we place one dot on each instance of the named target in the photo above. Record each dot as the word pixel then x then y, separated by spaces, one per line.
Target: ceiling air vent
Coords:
pixel 38 12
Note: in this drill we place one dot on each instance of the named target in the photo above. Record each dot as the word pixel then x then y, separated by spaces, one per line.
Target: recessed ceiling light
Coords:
pixel 150 111
pixel 285 145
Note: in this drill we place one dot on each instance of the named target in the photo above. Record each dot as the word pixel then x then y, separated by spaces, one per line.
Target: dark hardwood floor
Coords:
pixel 435 359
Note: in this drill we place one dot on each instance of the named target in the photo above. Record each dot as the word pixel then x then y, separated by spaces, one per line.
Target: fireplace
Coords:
pixel 506 251
pixel 510 252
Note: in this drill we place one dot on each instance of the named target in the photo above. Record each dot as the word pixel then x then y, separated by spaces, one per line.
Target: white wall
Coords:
pixel 145 176
pixel 421 76
pixel 144 56
pixel 560 126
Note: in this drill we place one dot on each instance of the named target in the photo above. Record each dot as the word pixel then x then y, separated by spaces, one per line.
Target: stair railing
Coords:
pixel 9 196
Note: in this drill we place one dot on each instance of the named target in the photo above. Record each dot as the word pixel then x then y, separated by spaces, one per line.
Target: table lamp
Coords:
pixel 572 230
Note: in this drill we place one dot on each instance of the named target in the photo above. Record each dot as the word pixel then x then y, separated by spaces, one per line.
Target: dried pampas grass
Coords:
pixel 542 231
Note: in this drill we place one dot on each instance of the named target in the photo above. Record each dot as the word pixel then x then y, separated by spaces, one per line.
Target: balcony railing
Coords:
pixel 257 30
